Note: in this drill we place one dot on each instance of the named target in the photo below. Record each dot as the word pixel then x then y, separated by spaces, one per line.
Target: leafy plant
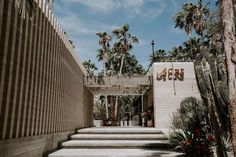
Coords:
pixel 227 142
pixel 191 114
pixel 193 143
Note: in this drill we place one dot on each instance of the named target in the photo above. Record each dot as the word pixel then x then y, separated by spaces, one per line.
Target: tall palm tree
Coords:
pixel 122 47
pixel 227 10
pixel 124 44
pixel 104 42
pixel 90 67
pixel 192 16
pixel 25 7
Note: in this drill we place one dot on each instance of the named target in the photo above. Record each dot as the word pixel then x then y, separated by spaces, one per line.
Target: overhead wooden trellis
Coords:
pixel 114 85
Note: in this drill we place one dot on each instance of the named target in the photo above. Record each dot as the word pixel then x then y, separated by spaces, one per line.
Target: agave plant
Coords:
pixel 227 142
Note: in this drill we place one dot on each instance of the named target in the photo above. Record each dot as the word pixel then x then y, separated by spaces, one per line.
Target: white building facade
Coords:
pixel 172 82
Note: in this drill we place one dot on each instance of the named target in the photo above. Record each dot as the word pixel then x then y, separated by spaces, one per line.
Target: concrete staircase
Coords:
pixel 114 141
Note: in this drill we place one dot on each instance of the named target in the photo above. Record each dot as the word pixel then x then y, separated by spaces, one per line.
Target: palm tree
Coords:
pixel 124 44
pixel 104 41
pixel 122 48
pixel 131 65
pixel 227 10
pixel 158 56
pixel 192 17
pixel 25 7
pixel 90 67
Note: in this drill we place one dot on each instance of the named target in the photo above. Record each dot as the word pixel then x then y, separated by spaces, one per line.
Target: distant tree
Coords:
pixel 90 67
pixel 121 49
pixel 104 42
pixel 192 16
pixel 124 44
pixel 159 56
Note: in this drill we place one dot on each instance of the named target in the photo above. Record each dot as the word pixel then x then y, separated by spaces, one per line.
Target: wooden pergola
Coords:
pixel 114 85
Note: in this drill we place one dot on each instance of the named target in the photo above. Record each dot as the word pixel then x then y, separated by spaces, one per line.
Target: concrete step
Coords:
pixel 119 137
pixel 119 130
pixel 160 144
pixel 114 153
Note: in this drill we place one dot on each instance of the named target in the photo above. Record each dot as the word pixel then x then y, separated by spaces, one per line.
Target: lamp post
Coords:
pixel 153 43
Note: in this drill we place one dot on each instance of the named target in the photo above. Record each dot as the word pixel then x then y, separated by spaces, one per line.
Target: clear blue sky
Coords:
pixel 148 19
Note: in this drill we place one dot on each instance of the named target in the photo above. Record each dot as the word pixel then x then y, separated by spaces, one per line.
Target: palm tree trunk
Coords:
pixel 104 68
pixel 121 66
pixel 116 106
pixel 106 104
pixel 120 73
pixel 230 49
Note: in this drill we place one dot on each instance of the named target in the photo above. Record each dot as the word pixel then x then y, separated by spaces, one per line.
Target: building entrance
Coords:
pixel 121 101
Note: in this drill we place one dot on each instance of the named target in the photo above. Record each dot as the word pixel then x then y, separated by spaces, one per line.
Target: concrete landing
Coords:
pixel 114 153
pixel 120 130
pixel 119 137
pixel 116 144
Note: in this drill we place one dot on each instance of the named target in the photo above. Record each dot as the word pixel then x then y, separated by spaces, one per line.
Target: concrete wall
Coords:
pixel 42 96
pixel 168 94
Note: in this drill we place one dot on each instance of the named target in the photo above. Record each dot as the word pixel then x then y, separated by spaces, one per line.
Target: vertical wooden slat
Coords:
pixel 1 17
pixel 8 75
pixel 4 53
pixel 59 86
pixel 33 90
pixel 24 85
pixel 15 97
pixel 46 67
pixel 66 82
pixel 44 76
pixel 41 83
pixel 31 116
pixel 38 78
pixel 56 92
pixel 12 76
pixel 34 71
pixel 53 45
pixel 48 78
pixel 29 77
pixel 61 98
pixel 55 85
pixel 17 93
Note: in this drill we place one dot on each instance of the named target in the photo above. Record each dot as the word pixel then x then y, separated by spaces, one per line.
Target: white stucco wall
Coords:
pixel 165 99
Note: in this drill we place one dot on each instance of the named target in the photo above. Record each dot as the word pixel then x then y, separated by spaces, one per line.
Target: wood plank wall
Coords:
pixel 41 80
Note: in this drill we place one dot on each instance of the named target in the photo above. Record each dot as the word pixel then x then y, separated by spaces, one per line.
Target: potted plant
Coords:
pixel 148 115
